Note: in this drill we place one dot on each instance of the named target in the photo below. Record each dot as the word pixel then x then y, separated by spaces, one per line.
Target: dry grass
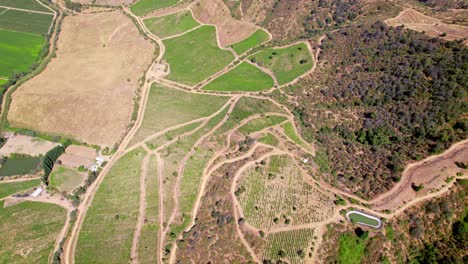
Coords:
pixel 26 145
pixel 106 2
pixel 433 27
pixel 229 29
pixel 87 91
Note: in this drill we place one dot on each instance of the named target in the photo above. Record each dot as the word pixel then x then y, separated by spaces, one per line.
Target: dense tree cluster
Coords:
pixel 386 96
pixel 446 4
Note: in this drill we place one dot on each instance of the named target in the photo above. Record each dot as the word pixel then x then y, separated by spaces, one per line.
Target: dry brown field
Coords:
pixel 433 27
pixel 87 91
pixel 105 2
pixel 26 145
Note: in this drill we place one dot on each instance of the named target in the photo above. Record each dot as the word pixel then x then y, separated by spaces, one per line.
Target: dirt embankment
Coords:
pixel 87 91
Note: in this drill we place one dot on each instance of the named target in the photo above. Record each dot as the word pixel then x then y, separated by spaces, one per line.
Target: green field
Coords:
pixel 9 188
pixel 291 134
pixel 29 230
pixel 25 22
pixel 144 7
pixel 294 246
pixel 65 179
pixel 285 63
pixel 107 232
pixel 260 123
pixel 24 4
pixel 170 135
pixel 257 38
pixel 244 77
pixel 19 166
pixel 358 218
pixel 18 51
pixel 195 56
pixel 351 248
pixel 149 233
pixel 168 107
pixel 3 81
pixel 269 139
pixel 171 24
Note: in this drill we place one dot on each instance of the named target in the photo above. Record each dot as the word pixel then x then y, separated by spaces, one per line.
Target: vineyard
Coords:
pixel 275 195
pixel 292 246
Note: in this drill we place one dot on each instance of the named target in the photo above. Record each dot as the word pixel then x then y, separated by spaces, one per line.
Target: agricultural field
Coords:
pixel 29 230
pixel 171 134
pixel 171 24
pixel 168 107
pixel 28 22
pixel 257 38
pixel 269 139
pixel 276 195
pixel 87 73
pixel 261 123
pixel 292 246
pixel 195 56
pixel 245 77
pixel 9 188
pixel 24 4
pixel 143 7
pixel 65 179
pixel 19 165
pixel 113 214
pixel 286 63
pixel 291 134
pixel 26 145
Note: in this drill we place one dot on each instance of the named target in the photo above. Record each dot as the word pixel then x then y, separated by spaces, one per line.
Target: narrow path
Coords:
pixel 160 209
pixel 141 210
pixel 183 33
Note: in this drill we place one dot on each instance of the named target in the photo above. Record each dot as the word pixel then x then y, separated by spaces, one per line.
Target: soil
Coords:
pixel 26 145
pixel 86 91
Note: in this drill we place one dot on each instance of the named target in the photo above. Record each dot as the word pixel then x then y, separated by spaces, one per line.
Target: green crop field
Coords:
pixel 113 214
pixel 21 21
pixel 285 63
pixel 195 56
pixel 358 218
pixel 65 179
pixel 244 77
pixel 9 188
pixel 24 4
pixel 169 107
pixel 257 38
pixel 148 243
pixel 261 123
pixel 269 139
pixel 3 81
pixel 294 246
pixel 18 51
pixel 19 166
pixel 144 7
pixel 171 24
pixel 291 134
pixel 29 230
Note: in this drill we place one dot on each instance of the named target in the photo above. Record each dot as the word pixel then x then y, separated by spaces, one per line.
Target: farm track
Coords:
pixel 211 165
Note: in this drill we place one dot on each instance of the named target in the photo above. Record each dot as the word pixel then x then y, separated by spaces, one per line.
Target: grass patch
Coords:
pixel 257 38
pixel 18 51
pixel 19 166
pixel 30 228
pixel 144 7
pixel 113 214
pixel 170 135
pixel 358 218
pixel 148 242
pixel 3 81
pixel 171 24
pixel 65 179
pixel 195 56
pixel 244 77
pixel 261 123
pixel 24 4
pixel 26 22
pixel 9 188
pixel 351 248
pixel 291 134
pixel 285 63
pixel 168 107
pixel 269 139
pixel 294 246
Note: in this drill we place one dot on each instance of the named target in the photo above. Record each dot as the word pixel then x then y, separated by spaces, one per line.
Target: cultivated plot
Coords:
pixel 24 4
pixel 245 78
pixel 276 195
pixel 113 214
pixel 19 165
pixel 22 21
pixel 293 246
pixel 171 24
pixel 261 123
pixel 168 107
pixel 286 63
pixel 86 81
pixel 195 56
pixel 9 188
pixel 143 7
pixel 29 231
pixel 258 37
pixel 65 179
